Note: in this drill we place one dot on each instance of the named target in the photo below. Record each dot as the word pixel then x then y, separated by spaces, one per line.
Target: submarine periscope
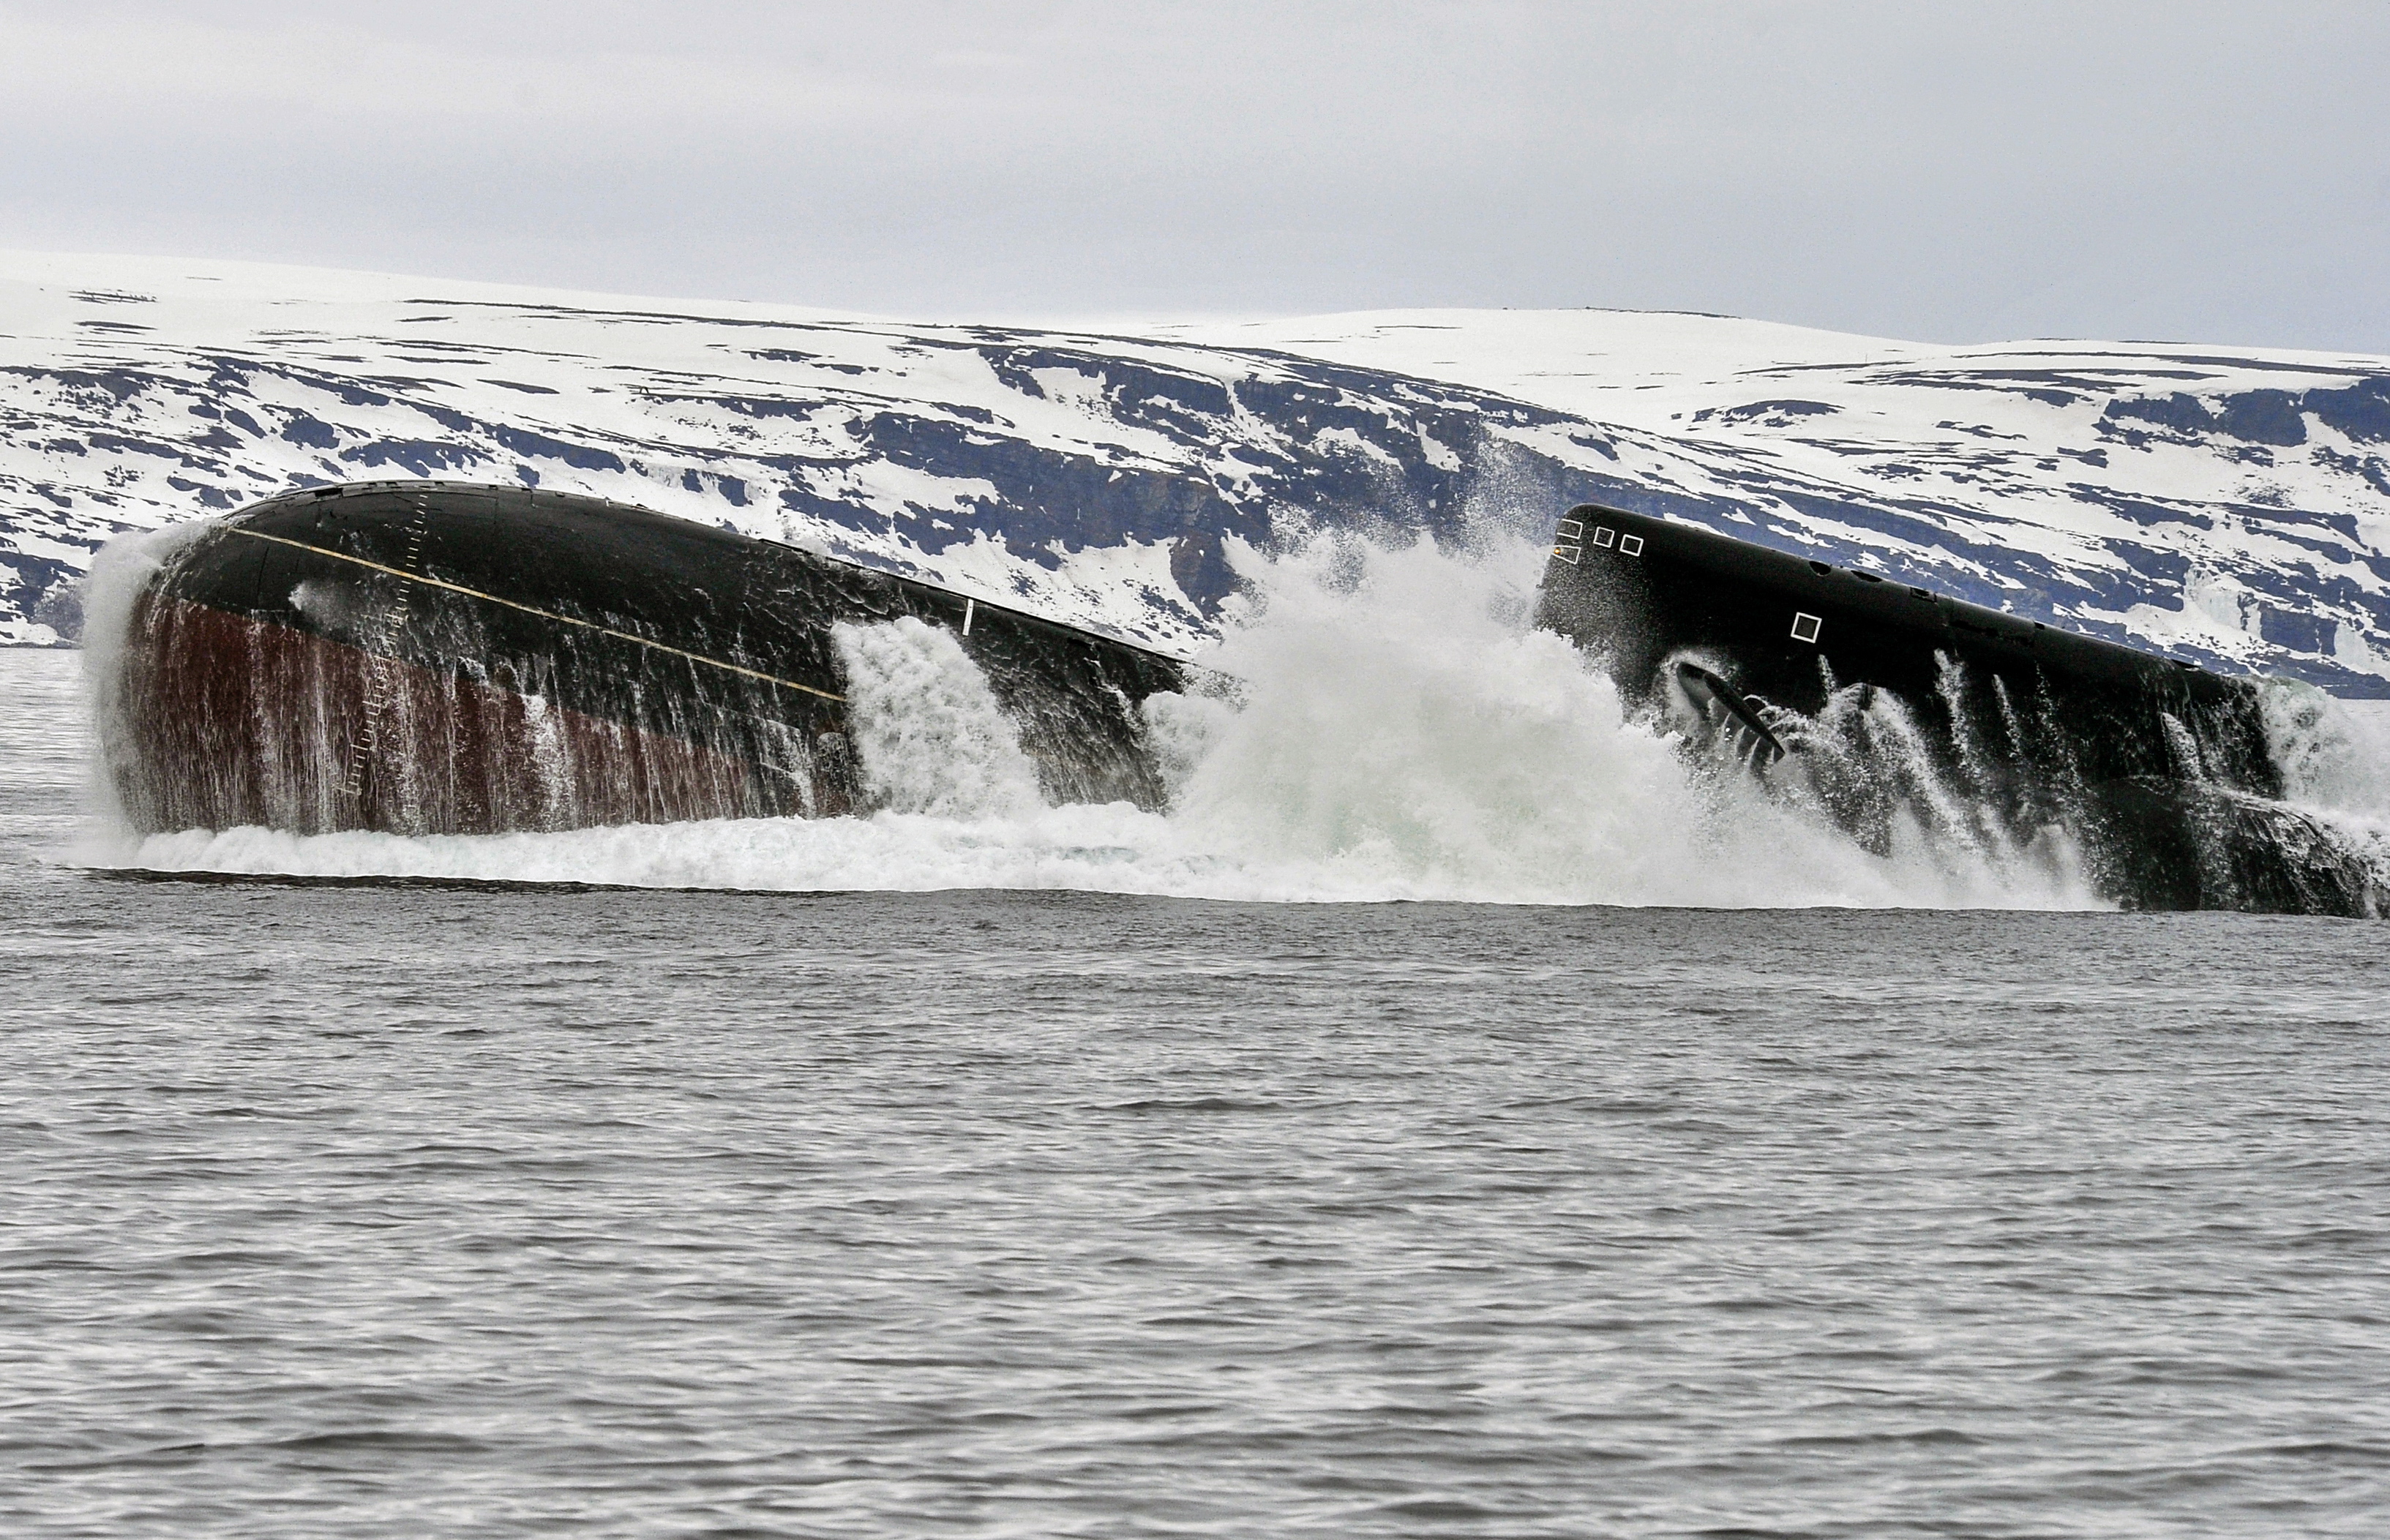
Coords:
pixel 423 657
pixel 1874 702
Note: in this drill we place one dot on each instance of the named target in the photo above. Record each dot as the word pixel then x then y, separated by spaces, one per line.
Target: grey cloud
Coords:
pixel 1946 171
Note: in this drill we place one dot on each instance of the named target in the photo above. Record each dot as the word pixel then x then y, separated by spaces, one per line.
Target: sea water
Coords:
pixel 1476 1126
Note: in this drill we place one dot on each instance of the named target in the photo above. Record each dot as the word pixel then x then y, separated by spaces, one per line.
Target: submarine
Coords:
pixel 428 657
pixel 446 657
pixel 1875 703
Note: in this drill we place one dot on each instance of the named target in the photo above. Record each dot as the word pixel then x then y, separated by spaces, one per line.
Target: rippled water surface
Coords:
pixel 386 1211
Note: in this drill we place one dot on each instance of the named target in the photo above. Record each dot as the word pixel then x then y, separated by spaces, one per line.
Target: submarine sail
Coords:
pixel 1832 685
pixel 426 656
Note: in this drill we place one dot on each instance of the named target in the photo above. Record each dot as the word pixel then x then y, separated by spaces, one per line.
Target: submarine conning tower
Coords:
pixel 427 657
pixel 2162 771
pixel 1641 589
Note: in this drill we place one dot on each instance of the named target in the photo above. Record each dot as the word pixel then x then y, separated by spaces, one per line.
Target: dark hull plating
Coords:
pixel 428 657
pixel 1878 702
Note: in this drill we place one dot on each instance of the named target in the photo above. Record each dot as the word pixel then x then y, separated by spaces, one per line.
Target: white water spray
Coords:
pixel 2334 754
pixel 2335 761
pixel 111 588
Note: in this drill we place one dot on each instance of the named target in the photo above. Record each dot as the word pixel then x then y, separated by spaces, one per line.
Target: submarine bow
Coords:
pixel 1875 702
pixel 439 658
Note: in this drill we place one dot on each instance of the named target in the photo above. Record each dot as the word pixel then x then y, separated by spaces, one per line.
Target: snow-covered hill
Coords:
pixel 2230 505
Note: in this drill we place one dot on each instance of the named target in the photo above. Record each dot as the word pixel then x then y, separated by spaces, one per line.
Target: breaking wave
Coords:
pixel 1396 730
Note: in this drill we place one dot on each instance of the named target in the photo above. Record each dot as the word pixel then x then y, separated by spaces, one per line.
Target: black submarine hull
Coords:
pixel 1880 703
pixel 436 658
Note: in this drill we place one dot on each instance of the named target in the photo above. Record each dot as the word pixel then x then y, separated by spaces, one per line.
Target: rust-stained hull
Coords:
pixel 245 721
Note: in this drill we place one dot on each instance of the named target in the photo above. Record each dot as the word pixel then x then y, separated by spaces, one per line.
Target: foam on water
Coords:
pixel 1400 732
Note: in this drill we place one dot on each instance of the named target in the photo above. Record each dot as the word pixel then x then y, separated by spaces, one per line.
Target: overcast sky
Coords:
pixel 1952 171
